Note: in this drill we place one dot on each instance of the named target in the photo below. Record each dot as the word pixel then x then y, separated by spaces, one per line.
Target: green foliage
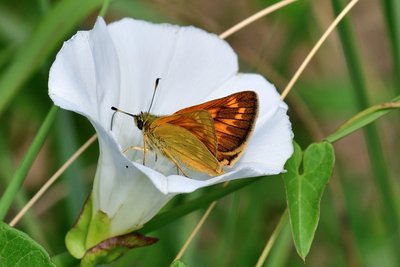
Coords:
pixel 178 263
pixel 363 118
pixel 50 32
pixel 305 181
pixel 31 154
pixel 18 250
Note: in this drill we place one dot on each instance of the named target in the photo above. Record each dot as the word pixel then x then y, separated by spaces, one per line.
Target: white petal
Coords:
pixel 190 62
pixel 123 191
pixel 85 75
pixel 271 144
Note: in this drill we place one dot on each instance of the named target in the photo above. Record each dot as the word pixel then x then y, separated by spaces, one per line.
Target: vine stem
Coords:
pixel 316 47
pixel 195 230
pixel 254 17
pixel 19 176
pixel 52 179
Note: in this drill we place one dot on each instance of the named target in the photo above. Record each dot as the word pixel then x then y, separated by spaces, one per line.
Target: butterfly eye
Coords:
pixel 139 122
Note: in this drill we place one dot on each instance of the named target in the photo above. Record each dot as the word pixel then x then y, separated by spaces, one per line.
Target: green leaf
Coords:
pixel 363 118
pixel 18 249
pixel 304 190
pixel 178 263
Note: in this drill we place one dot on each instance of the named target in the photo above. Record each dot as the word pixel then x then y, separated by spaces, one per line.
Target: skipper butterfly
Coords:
pixel 204 137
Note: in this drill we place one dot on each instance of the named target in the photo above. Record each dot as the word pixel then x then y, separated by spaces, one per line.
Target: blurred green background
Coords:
pixel 354 69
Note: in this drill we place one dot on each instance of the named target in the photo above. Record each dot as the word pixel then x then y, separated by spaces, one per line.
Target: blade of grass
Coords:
pixel 255 17
pixel 30 223
pixel 314 50
pixel 195 230
pixel 67 144
pixel 271 241
pixel 5 56
pixel 58 22
pixel 20 175
pixel 376 155
pixel 280 252
pixel 13 28
pixel 52 179
pixel 392 16
pixel 229 231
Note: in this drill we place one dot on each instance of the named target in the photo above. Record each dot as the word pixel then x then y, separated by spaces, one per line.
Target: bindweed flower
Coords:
pixel 117 65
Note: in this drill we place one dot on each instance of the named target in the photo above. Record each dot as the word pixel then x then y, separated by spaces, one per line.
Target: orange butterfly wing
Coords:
pixel 234 118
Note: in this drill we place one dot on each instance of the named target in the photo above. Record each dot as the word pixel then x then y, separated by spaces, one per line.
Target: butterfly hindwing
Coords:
pixel 182 146
pixel 198 122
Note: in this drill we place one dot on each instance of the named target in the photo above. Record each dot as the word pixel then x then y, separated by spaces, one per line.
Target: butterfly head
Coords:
pixel 139 120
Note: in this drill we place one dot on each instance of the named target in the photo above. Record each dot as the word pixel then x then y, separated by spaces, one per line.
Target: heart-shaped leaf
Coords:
pixel 17 249
pixel 305 180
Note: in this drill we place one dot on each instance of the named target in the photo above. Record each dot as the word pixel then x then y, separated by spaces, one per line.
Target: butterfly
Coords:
pixel 205 137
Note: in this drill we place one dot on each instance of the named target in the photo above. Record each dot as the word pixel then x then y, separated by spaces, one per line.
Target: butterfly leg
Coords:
pixel 144 150
pixel 132 148
pixel 178 168
pixel 137 148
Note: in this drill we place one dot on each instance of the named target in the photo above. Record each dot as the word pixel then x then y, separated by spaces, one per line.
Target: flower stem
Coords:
pixel 103 11
pixel 20 175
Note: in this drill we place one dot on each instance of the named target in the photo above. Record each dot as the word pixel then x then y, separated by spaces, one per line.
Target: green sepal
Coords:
pixel 112 248
pixel 89 230
pixel 75 240
pixel 90 239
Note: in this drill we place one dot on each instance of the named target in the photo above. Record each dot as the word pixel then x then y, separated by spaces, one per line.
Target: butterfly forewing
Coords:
pixel 234 118
pixel 182 147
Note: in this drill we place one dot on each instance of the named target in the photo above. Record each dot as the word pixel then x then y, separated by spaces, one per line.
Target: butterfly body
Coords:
pixel 204 137
pixel 173 137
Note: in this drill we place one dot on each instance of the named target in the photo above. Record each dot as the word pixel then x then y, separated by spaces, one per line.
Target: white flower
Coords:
pixel 117 65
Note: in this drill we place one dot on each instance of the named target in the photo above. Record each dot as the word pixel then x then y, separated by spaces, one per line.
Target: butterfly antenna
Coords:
pixel 154 94
pixel 119 110
pixel 112 120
